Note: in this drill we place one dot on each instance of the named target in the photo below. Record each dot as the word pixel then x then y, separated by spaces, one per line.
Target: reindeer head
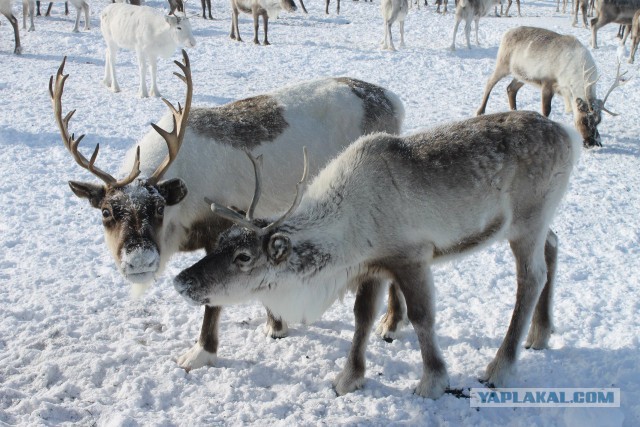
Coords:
pixel 247 258
pixel 181 30
pixel 589 111
pixel 132 209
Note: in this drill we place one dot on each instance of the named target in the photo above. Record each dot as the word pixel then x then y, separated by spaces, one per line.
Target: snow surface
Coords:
pixel 75 348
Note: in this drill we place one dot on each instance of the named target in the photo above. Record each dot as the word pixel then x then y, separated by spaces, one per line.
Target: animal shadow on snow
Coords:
pixel 476 52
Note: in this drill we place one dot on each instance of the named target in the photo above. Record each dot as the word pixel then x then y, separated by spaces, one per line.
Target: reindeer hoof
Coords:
pixel 433 385
pixel 346 382
pixel 197 357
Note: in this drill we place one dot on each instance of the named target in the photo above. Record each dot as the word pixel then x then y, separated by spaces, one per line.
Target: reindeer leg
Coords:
pixel 364 309
pixel 265 23
pixel 304 9
pixel 500 72
pixel 542 323
pixel 256 17
pixel 531 272
pixel 235 31
pixel 153 65
pixel 455 30
pixel 75 27
pixel 634 47
pixel 142 66
pixel 547 96
pixel 275 326
pixel 512 92
pixel 402 34
pixel 204 352
pixel 209 9
pixel 395 316
pixel 16 33
pixel 87 21
pixel 416 283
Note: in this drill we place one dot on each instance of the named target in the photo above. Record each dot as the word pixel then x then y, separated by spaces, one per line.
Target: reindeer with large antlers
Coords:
pixel 146 221
pixel 387 209
pixel 557 64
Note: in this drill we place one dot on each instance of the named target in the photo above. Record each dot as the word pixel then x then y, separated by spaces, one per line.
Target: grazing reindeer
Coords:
pixel 404 204
pixel 607 11
pixel 557 64
pixel 257 8
pixel 325 114
pixel 470 10
pixel 393 10
pixel 150 34
pixel 5 9
pixel 635 36
pixel 28 8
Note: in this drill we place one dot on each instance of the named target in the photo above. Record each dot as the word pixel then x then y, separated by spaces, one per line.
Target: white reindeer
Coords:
pixel 635 36
pixel 6 10
pixel 392 11
pixel 150 34
pixel 257 8
pixel 470 10
pixel 28 8
pixel 325 114
pixel 387 209
pixel 81 5
pixel 557 64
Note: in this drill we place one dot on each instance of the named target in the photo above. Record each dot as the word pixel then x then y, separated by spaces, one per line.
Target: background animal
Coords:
pixel 148 33
pixel 5 9
pixel 325 115
pixel 257 8
pixel 607 11
pixel 557 64
pixel 392 11
pixel 470 10
pixel 438 195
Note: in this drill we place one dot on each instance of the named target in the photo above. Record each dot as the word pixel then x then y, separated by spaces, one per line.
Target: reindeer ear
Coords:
pixel 171 19
pixel 278 248
pixel 94 193
pixel 173 190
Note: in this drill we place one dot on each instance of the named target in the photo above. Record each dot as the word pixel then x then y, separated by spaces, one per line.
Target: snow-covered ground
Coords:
pixel 75 348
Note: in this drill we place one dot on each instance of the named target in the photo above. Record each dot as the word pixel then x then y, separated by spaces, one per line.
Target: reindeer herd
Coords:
pixel 366 210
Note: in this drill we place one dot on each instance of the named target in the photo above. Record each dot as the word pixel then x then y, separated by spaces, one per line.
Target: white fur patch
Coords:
pixel 197 357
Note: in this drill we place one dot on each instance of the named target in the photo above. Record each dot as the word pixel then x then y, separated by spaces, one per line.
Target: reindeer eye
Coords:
pixel 160 210
pixel 106 213
pixel 242 257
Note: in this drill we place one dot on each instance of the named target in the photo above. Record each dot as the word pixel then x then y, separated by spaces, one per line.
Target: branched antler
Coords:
pixel 246 222
pixel 616 83
pixel 71 143
pixel 180 117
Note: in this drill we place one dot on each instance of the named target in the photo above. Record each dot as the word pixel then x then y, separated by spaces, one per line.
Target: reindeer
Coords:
pixel 557 64
pixel 393 10
pixel 386 210
pixel 635 36
pixel 607 11
pixel 5 9
pixel 265 8
pixel 141 29
pixel 325 114
pixel 28 8
pixel 470 10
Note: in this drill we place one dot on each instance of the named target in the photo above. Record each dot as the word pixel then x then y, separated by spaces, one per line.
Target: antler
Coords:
pixel 71 143
pixel 180 116
pixel 586 75
pixel 617 82
pixel 246 222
